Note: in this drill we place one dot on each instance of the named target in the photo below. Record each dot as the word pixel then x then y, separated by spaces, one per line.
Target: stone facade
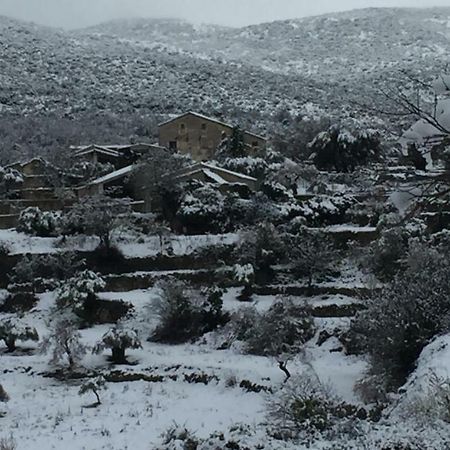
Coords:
pixel 199 136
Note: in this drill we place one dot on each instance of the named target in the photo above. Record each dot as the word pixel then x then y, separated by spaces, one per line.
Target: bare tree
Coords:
pixel 65 344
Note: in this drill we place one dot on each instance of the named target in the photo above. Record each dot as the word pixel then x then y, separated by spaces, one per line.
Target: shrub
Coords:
pixel 94 386
pixel 388 253
pixel 58 266
pixel 78 290
pixel 201 209
pixel 12 330
pixel 408 313
pixel 39 223
pixel 284 328
pixel 306 409
pixel 118 339
pixel 64 341
pixel 340 150
pixel 185 316
pixel 8 444
pixel 97 216
pixel 311 255
pixel 261 247
pixel 179 438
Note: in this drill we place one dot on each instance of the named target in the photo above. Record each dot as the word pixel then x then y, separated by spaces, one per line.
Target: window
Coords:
pixel 255 144
pixel 172 145
pixel 182 127
pixel 203 126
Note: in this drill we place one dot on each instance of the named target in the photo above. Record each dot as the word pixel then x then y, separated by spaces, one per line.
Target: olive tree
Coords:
pixel 14 329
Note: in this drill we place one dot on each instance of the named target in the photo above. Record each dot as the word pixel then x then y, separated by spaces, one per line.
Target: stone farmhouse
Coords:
pixel 198 135
pixel 190 133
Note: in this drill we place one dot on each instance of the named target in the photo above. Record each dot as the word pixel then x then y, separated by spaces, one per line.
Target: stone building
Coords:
pixel 199 136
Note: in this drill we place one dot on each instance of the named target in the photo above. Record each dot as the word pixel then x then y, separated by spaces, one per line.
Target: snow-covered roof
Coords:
pixel 209 119
pixel 114 175
pixel 211 167
pixel 110 148
pixel 97 149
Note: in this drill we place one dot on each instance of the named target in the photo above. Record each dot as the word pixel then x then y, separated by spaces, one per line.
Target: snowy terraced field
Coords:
pixel 47 413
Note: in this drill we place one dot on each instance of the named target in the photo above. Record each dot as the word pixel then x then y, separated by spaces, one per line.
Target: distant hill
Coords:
pixel 317 66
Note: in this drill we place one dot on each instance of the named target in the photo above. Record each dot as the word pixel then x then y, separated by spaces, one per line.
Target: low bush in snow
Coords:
pixel 8 444
pixel 14 329
pixel 186 316
pixel 343 151
pixel 58 266
pixel 118 339
pixel 307 411
pixel 39 223
pixel 311 255
pixel 95 386
pixel 75 292
pixel 283 329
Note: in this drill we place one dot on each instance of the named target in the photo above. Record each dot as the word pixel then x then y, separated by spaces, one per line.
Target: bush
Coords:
pixel 284 328
pixel 39 223
pixel 387 255
pixel 305 409
pixel 262 247
pixel 179 438
pixel 12 330
pixel 93 386
pixel 185 316
pixel 78 290
pixel 65 342
pixel 58 266
pixel 311 255
pixel 404 318
pixel 118 339
pixel 343 151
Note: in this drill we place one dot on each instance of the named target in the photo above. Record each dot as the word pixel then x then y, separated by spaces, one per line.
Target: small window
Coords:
pixel 182 127
pixel 172 145
pixel 255 144
pixel 203 126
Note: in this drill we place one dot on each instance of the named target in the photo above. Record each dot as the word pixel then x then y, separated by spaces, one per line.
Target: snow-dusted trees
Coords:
pixel 40 223
pixel 341 150
pixel 407 314
pixel 155 179
pixel 262 247
pixel 58 266
pixel 284 328
pixel 64 341
pixel 77 291
pixel 97 216
pixel 311 254
pixel 15 329
pixel 118 339
pixel 10 179
pixel 186 315
pixel 95 386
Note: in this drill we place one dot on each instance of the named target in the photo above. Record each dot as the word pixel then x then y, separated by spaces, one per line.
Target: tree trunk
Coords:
pixel 97 396
pixel 282 365
pixel 11 344
pixel 118 355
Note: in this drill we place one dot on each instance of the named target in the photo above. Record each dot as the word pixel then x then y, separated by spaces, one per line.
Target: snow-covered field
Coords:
pixel 47 413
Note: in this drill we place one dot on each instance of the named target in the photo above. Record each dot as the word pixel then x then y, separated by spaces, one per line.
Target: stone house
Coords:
pixel 198 135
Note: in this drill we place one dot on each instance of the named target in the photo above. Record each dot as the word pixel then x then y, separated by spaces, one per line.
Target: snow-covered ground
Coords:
pixel 47 413
pixel 20 243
